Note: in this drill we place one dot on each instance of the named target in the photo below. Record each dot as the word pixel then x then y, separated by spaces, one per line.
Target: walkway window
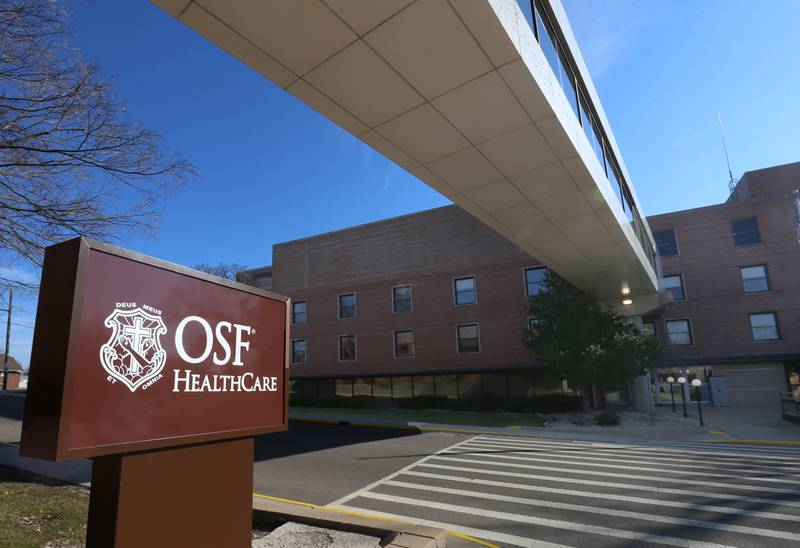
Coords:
pixel 347 306
pixel 404 344
pixel 764 326
pixel 666 243
pixel 298 312
pixel 754 278
pixel 347 348
pixel 401 298
pixel 535 280
pixel 299 351
pixel 465 290
pixel 674 284
pixel 745 232
pixel 679 332
pixel 468 338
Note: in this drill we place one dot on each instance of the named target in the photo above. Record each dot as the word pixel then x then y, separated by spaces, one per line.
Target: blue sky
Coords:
pixel 271 169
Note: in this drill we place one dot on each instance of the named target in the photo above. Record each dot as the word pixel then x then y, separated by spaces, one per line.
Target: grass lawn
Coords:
pixel 35 512
pixel 470 418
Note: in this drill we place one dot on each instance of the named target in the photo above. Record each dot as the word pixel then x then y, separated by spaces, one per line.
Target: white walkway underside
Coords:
pixel 460 94
pixel 544 493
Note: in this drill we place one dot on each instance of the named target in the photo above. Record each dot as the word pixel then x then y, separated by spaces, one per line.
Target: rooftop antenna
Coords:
pixel 733 181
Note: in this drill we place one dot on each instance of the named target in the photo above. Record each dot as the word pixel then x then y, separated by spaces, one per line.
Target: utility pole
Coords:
pixel 8 337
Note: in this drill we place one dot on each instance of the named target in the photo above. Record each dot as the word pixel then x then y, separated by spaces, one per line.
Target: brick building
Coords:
pixel 14 372
pixel 433 302
pixel 425 304
pixel 734 271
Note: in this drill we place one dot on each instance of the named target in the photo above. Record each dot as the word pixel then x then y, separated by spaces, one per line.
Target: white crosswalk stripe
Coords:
pixel 571 451
pixel 628 464
pixel 519 491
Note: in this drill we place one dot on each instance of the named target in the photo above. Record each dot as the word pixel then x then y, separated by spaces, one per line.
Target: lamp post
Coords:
pixel 697 383
pixel 671 381
pixel 682 381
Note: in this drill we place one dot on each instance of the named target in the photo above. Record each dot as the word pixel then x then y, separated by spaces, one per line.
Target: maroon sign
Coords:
pixel 133 353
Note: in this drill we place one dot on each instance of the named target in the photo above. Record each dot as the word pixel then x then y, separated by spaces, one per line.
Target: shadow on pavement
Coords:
pixel 306 437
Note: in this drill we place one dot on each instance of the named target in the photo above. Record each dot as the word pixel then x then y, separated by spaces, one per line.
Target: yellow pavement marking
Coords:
pixel 368 516
pixel 502 431
pixel 786 443
pixel 498 432
pixel 714 432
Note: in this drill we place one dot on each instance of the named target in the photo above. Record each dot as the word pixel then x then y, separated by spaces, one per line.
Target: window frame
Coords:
pixel 683 287
pixel 525 278
pixel 305 352
pixel 292 314
pixel 339 348
pixel 458 338
pixel 690 331
pixel 766 278
pixel 394 344
pixel 474 289
pixel 758 231
pixel 410 298
pixel 774 314
pixel 654 333
pixel 674 237
pixel 339 305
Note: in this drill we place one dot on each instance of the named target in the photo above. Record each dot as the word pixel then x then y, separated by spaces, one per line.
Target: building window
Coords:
pixel 754 278
pixel 401 298
pixel 764 326
pixel 745 232
pixel 404 344
pixel 666 243
pixel 465 290
pixel 347 348
pixel 298 312
pixel 299 351
pixel 649 329
pixel 674 284
pixel 468 338
pixel 347 306
pixel 535 280
pixel 679 332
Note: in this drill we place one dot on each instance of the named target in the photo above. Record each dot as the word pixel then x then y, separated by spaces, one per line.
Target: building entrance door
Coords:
pixel 719 390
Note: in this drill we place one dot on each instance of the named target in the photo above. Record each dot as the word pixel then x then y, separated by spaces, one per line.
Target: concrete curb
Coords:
pixel 478 430
pixel 405 534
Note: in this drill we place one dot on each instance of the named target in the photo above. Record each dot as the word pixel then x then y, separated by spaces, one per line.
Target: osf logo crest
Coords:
pixel 133 355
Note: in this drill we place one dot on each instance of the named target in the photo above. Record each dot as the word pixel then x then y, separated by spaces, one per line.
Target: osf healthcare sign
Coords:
pixel 133 353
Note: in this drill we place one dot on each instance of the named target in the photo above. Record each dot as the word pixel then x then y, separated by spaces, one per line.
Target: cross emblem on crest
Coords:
pixel 133 354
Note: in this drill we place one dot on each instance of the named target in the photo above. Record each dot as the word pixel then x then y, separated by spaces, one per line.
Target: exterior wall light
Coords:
pixel 671 381
pixel 697 383
pixel 627 302
pixel 682 381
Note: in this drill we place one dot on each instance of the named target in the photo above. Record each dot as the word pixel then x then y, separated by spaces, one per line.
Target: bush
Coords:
pixel 424 402
pixel 555 403
pixel 486 403
pixel 607 418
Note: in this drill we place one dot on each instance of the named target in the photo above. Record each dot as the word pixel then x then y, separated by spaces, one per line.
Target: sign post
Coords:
pixel 161 375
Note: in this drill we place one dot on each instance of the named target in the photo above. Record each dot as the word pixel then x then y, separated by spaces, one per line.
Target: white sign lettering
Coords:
pixel 134 356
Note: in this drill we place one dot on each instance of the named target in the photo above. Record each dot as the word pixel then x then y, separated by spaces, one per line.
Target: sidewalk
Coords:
pixel 732 425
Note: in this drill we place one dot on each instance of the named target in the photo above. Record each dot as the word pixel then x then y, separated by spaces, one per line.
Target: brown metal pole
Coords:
pixel 8 337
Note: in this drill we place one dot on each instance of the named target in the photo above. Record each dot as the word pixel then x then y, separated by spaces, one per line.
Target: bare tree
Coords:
pixel 71 163
pixel 229 271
